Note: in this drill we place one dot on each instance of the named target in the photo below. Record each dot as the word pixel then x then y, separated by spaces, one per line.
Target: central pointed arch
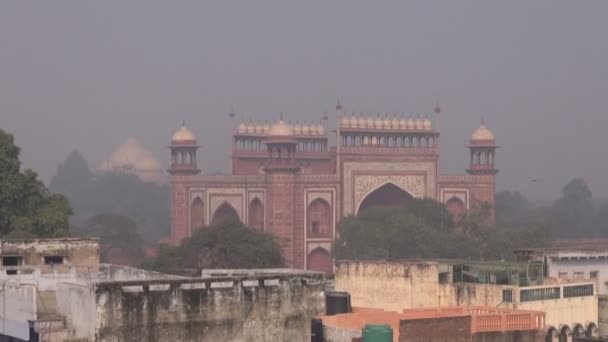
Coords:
pixel 224 213
pixel 387 195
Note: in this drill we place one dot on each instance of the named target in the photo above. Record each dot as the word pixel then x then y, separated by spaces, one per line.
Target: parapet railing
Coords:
pixel 486 319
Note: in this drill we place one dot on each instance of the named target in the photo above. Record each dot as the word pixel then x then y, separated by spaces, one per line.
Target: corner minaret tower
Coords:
pixel 281 170
pixel 482 147
pixel 183 153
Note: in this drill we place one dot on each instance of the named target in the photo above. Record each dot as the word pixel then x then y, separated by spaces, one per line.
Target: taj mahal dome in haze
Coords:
pixel 287 180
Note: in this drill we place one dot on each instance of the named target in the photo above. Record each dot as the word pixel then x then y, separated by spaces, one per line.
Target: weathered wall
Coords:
pixel 76 302
pixel 467 294
pixel 603 315
pixel 76 251
pixel 340 334
pixel 224 309
pixel 412 285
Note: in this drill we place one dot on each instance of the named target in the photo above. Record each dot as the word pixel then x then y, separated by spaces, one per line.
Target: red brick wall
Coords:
pixel 442 329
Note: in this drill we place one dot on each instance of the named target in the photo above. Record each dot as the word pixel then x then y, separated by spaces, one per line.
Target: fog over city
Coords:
pixel 89 75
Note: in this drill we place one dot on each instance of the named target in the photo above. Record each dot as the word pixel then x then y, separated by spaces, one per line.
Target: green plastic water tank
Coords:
pixel 377 333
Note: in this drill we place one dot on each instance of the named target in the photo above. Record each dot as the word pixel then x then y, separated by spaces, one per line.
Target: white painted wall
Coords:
pixel 557 265
pixel 76 302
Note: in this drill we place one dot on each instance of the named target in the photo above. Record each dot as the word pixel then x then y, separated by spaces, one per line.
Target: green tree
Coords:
pixel 116 233
pixel 572 212
pixel 421 230
pixel 512 209
pixel 74 180
pixel 225 245
pixel 147 204
pixel 27 208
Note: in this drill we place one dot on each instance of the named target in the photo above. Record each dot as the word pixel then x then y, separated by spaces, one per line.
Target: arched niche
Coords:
pixel 456 207
pixel 320 260
pixel 197 214
pixel 387 195
pixel 256 214
pixel 319 219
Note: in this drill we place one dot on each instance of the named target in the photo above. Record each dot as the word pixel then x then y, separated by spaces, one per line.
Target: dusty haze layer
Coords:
pixel 87 75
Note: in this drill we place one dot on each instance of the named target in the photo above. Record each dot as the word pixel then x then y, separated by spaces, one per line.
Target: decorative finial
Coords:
pixel 232 113
pixel 281 116
pixel 183 123
pixel 338 105
pixel 437 109
pixel 483 120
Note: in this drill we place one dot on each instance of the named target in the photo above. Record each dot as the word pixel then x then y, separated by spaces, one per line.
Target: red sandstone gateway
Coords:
pixel 287 180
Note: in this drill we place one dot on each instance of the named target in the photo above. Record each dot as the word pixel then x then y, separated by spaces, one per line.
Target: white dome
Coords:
pixel 483 134
pixel 345 122
pixel 280 128
pixel 428 125
pixel 183 134
pixel 410 123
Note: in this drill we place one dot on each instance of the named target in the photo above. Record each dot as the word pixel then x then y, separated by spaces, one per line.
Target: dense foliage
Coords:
pixel 424 229
pixel 27 208
pixel 225 245
pixel 117 234
pixel 147 204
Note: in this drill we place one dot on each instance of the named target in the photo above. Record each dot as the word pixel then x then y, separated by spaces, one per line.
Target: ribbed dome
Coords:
pixel 362 122
pixel 242 128
pixel 403 123
pixel 419 124
pixel 353 122
pixel 313 129
pixel 386 123
pixel 320 129
pixel 259 128
pixel 280 128
pixel 395 123
pixel 410 123
pixel 345 122
pixel 306 129
pixel 483 133
pixel 297 129
pixel 183 134
pixel 428 125
pixel 370 122
pixel 378 123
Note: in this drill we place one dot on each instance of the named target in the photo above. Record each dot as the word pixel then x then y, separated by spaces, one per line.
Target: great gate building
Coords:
pixel 288 181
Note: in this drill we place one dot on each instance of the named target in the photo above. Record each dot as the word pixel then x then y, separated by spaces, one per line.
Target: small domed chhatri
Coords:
pixel 280 129
pixel 183 134
pixel 483 133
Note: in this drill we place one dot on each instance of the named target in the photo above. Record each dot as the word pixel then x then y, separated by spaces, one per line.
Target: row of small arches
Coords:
pixel 387 123
pixel 390 141
pixel 319 216
pixel 297 128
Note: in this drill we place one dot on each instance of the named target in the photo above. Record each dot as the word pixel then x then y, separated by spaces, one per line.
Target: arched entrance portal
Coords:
pixel 256 214
pixel 225 213
pixel 197 214
pixel 388 195
pixel 320 260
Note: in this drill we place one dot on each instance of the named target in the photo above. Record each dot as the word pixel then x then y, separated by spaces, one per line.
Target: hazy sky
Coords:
pixel 89 74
